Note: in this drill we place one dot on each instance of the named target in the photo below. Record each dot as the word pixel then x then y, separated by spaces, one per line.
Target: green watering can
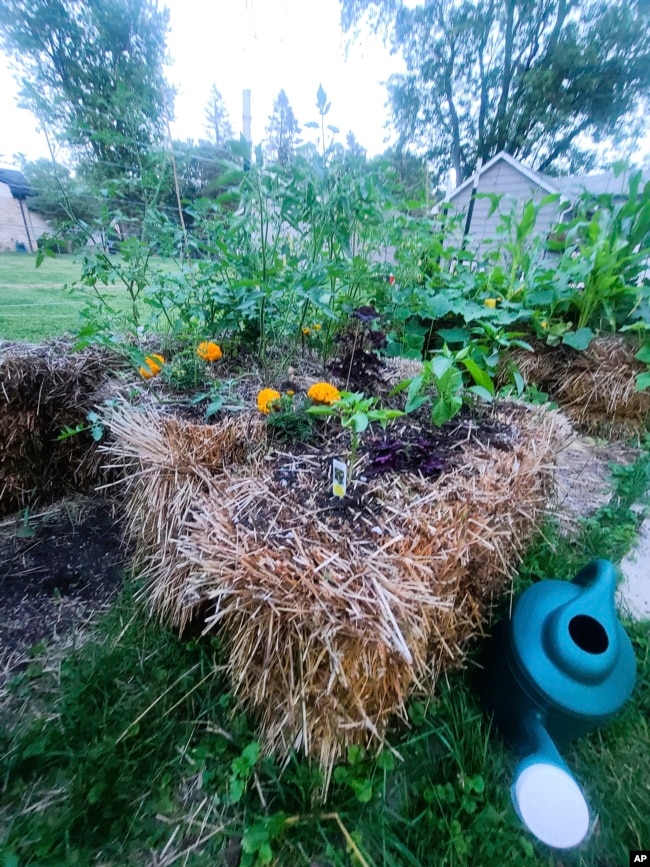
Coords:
pixel 562 665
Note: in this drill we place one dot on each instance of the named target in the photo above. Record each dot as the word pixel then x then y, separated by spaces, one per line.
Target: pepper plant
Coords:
pixel 441 383
pixel 355 412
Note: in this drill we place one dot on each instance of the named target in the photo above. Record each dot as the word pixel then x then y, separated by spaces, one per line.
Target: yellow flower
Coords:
pixel 317 327
pixel 209 351
pixel 290 392
pixel 490 302
pixel 544 324
pixel 265 398
pixel 305 331
pixel 323 392
pixel 153 364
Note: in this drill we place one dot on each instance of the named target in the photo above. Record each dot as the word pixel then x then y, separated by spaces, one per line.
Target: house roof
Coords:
pixel 569 186
pixel 597 184
pixel 17 182
pixel 541 180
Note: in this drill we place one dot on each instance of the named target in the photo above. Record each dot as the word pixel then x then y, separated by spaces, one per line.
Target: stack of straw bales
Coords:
pixel 327 629
pixel 595 388
pixel 43 389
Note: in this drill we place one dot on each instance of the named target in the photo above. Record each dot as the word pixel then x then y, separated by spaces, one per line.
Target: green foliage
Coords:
pixel 217 122
pixel 290 420
pixel 441 383
pixel 606 252
pixel 355 412
pixel 514 76
pixel 93 72
pixel 220 397
pixel 283 132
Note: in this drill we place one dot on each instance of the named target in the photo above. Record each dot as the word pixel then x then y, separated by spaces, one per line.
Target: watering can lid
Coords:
pixel 551 805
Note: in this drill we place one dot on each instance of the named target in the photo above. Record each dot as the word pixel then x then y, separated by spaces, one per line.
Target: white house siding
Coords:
pixel 503 179
pixel 12 225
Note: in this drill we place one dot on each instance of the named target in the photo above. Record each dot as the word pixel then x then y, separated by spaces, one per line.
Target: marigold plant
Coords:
pixel 209 351
pixel 265 398
pixel 323 392
pixel 152 366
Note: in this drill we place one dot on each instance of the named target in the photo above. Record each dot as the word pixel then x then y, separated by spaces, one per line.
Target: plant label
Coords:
pixel 339 478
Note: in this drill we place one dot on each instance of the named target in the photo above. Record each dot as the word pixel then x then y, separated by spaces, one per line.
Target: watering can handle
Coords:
pixel 581 636
pixel 596 571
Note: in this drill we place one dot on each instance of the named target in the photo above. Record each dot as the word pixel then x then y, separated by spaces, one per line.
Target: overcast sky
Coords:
pixel 264 45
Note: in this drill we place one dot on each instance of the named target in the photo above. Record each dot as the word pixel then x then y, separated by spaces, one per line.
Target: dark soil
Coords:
pixel 56 569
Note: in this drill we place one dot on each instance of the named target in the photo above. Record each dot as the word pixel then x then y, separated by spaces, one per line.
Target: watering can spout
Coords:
pixel 581 636
pixel 545 796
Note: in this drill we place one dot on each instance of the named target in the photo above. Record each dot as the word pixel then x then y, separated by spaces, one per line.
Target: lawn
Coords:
pixel 33 301
pixel 37 303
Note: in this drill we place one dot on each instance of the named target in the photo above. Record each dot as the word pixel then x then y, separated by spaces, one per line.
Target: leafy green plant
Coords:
pixel 442 378
pixel 355 412
pixel 643 379
pixel 220 396
pixel 95 426
pixel 290 420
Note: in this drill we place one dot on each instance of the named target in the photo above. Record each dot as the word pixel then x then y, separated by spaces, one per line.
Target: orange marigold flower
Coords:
pixel 323 392
pixel 265 398
pixel 306 330
pixel 153 364
pixel 209 351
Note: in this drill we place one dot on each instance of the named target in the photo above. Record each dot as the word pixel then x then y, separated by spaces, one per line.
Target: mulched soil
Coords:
pixel 56 569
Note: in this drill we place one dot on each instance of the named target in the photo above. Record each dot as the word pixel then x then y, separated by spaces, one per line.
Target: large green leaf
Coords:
pixel 642 381
pixel 579 339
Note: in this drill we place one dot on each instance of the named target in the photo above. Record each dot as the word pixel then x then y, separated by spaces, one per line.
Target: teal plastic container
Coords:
pixel 561 666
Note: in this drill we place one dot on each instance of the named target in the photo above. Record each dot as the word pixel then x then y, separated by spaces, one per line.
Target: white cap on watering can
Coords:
pixel 550 804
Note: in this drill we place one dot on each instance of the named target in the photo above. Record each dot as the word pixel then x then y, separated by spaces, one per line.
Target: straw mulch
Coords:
pixel 594 388
pixel 331 612
pixel 43 389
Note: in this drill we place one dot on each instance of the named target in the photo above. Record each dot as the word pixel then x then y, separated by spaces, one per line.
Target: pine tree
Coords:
pixel 217 122
pixel 283 132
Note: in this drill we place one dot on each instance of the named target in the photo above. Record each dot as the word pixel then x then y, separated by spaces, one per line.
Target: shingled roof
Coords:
pixel 18 183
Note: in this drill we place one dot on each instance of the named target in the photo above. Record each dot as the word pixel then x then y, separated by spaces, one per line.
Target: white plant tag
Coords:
pixel 339 478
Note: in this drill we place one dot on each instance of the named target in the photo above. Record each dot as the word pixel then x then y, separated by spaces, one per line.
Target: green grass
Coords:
pixel 34 303
pixel 128 745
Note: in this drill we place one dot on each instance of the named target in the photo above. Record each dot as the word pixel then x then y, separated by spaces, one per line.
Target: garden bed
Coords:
pixel 332 611
pixel 595 388
pixel 46 390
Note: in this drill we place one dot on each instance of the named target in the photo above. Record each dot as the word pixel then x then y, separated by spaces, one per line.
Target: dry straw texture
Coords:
pixel 43 389
pixel 330 617
pixel 595 388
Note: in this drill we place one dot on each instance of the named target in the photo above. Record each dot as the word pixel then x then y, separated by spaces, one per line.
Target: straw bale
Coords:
pixel 331 615
pixel 44 388
pixel 595 388
pixel 166 464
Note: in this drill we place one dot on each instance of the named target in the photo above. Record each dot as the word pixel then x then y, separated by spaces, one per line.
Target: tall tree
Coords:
pixel 537 78
pixel 93 72
pixel 283 132
pixel 217 122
